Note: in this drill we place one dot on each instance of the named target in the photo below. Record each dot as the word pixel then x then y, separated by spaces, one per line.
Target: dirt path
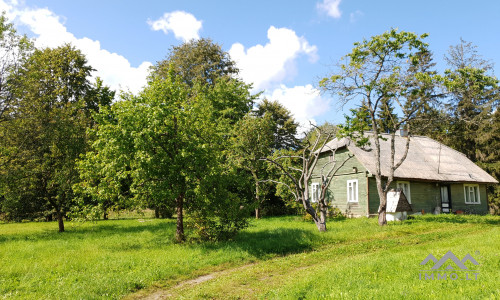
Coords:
pixel 170 292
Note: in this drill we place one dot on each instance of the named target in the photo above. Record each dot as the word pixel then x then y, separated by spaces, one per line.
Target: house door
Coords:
pixel 445 199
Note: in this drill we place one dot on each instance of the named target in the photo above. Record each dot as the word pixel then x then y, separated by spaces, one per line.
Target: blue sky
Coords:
pixel 283 47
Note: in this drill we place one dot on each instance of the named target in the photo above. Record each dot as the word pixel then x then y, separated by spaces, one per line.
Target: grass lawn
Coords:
pixel 274 258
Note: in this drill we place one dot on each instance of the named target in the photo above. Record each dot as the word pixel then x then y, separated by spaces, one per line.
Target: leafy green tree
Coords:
pixel 15 50
pixel 285 128
pixel 472 94
pixel 170 141
pixel 387 67
pixel 198 61
pixel 253 139
pixel 46 130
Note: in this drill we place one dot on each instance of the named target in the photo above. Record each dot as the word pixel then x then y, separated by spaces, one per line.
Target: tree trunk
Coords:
pixel 105 214
pixel 382 220
pixel 157 212
pixel 179 234
pixel 60 220
pixel 321 224
pixel 257 197
pixel 382 209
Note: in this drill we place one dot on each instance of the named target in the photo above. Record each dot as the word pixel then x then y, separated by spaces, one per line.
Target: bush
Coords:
pixel 215 213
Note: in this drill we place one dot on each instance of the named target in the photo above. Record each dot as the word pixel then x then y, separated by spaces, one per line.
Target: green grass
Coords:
pixel 282 258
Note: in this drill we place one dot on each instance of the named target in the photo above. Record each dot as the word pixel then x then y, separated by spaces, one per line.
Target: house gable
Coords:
pixel 349 169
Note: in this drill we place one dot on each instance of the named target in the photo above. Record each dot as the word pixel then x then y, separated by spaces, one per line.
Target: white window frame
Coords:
pixel 474 188
pixel 315 192
pixel 354 192
pixel 400 185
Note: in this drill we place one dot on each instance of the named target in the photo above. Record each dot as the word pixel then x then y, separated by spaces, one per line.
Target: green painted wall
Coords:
pixel 424 195
pixel 458 199
pixel 337 192
pixel 427 196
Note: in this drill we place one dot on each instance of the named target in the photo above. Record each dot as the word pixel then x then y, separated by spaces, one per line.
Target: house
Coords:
pixel 434 178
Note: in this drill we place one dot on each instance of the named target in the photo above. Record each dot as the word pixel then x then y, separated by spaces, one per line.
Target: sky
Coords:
pixel 282 47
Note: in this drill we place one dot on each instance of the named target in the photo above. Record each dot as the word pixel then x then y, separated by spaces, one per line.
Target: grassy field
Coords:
pixel 282 258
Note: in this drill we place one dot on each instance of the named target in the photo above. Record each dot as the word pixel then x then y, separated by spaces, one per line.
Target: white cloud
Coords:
pixel 114 69
pixel 304 102
pixel 330 7
pixel 273 62
pixel 184 25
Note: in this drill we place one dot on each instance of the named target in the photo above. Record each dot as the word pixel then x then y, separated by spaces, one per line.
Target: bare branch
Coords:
pixel 287 174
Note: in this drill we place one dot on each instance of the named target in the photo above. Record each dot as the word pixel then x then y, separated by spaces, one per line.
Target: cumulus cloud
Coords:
pixel 330 7
pixel 114 69
pixel 304 102
pixel 184 25
pixel 273 62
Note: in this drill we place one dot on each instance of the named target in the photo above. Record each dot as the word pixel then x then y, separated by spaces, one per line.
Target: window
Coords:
pixel 405 187
pixel 352 190
pixel 315 192
pixel 471 192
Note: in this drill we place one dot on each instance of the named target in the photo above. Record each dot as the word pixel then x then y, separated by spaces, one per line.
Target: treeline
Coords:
pixel 188 145
pixel 191 143
pixel 466 115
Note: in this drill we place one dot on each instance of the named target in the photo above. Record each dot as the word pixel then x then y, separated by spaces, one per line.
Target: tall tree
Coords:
pixel 473 93
pixel 253 139
pixel 285 127
pixel 46 130
pixel 15 50
pixel 385 68
pixel 465 54
pixel 198 61
pixel 170 141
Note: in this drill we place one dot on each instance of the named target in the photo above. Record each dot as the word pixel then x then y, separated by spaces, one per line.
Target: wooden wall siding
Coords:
pixel 458 200
pixel 337 193
pixel 424 196
pixel 340 155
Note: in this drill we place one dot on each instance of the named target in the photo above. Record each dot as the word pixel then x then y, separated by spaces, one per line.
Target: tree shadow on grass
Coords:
pixel 267 243
pixel 128 235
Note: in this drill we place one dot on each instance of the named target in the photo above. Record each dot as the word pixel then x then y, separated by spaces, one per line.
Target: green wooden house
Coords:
pixel 433 177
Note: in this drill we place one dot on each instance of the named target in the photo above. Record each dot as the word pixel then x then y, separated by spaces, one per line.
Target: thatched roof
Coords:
pixel 427 160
